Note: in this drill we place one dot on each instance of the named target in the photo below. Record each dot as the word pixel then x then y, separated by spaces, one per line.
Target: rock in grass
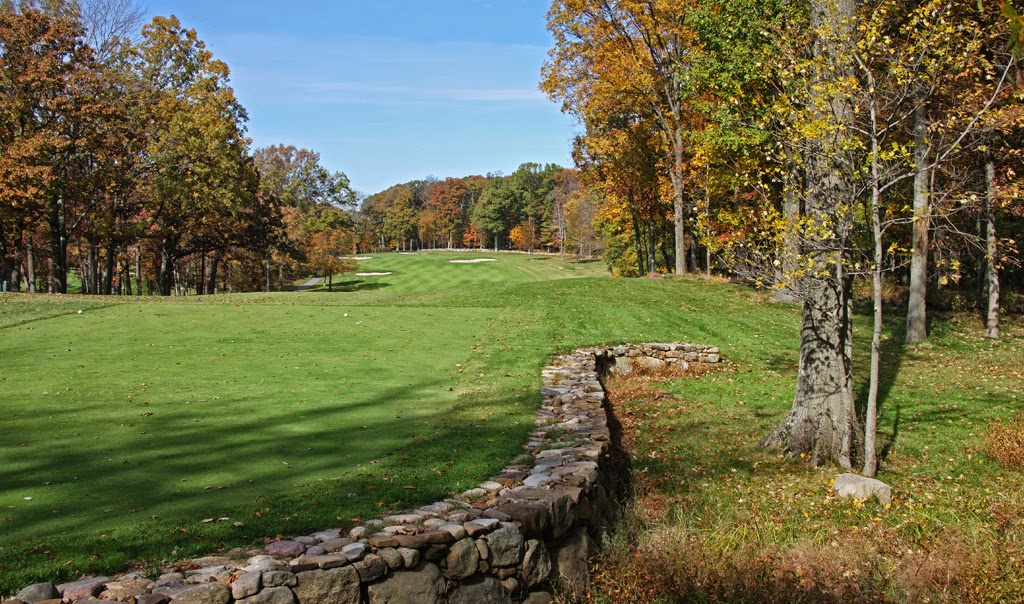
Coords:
pixel 860 487
pixel 37 593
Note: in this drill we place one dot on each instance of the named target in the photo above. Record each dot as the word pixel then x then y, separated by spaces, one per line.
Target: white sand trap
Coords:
pixel 407 253
pixel 473 261
pixel 372 274
pixel 362 258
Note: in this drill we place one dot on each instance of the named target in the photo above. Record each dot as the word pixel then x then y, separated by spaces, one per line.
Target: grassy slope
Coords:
pixel 502 329
pixel 130 423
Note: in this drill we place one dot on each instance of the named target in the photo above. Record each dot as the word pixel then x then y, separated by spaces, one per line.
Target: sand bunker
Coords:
pixel 473 261
pixel 372 274
pixel 362 258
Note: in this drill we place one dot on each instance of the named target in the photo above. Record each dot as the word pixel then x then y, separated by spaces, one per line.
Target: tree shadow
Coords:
pixel 353 285
pixel 891 355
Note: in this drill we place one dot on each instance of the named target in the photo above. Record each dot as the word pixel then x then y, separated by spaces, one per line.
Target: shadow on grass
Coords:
pixel 353 285
pixel 424 461
pixel 892 353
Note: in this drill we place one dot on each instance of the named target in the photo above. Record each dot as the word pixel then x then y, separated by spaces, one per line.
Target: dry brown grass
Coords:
pixel 1005 440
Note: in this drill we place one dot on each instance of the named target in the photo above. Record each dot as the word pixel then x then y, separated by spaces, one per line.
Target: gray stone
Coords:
pixel 539 597
pixel 246 584
pixel 506 545
pixel 286 549
pixel 316 550
pixel 153 599
pixel 306 540
pixel 404 519
pixel 209 570
pixel 537 480
pixel 410 556
pixel 279 578
pixel 371 568
pixel 570 560
pixel 258 564
pixel 326 562
pixel 355 551
pixel 272 595
pixel 166 583
pixel 859 487
pixel 424 585
pixel 337 586
pixel 326 535
pixel 512 586
pixel 536 564
pixel 462 560
pixel 335 545
pixel 37 593
pixel 480 590
pixel 392 558
pixel 209 593
pixel 456 530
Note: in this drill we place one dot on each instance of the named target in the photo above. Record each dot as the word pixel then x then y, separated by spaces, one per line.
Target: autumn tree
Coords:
pixel 628 56
pixel 202 182
pixel 446 207
pixel 52 103
pixel 327 251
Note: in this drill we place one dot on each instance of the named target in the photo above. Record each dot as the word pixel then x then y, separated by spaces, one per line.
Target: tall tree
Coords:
pixel 202 181
pixel 612 57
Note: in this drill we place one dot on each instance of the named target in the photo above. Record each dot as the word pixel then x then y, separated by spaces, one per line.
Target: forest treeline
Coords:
pixel 125 165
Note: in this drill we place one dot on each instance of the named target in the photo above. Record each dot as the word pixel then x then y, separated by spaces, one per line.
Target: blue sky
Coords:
pixel 392 90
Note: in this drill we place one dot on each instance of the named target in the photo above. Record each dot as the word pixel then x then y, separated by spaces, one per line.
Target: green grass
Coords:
pixel 760 528
pixel 258 402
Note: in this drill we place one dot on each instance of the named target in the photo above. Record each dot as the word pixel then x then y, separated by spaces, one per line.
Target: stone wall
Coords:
pixel 512 539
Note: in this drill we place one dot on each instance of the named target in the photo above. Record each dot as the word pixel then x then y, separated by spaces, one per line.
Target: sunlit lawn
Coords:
pixel 140 418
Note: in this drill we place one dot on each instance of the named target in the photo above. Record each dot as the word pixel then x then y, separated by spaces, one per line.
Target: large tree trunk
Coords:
pixel 59 248
pixel 30 259
pixel 166 280
pixel 210 285
pixel 991 254
pixel 917 328
pixel 822 424
pixel 109 270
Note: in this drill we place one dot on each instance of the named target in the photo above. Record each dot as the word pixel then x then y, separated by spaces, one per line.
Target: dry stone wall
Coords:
pixel 509 540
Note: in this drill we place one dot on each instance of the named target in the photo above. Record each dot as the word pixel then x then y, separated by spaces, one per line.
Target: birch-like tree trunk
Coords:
pixel 991 254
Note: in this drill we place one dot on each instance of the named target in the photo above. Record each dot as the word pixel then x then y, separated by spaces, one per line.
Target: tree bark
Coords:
pixel 108 275
pixel 210 285
pixel 917 326
pixel 822 425
pixel 991 253
pixel 166 280
pixel 30 260
pixel 59 248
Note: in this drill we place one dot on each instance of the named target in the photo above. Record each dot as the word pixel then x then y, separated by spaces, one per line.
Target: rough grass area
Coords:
pixel 716 519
